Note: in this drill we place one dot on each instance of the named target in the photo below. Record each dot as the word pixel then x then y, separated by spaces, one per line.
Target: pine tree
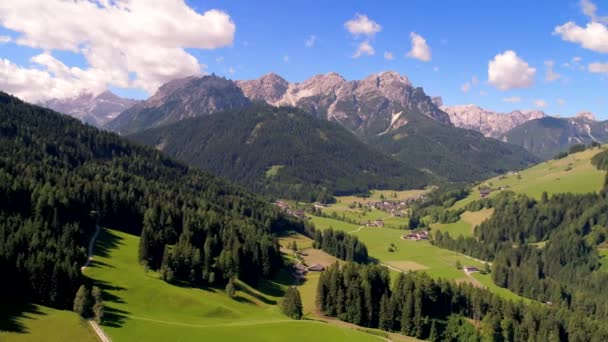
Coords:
pixel 385 319
pixel 434 334
pixel 292 303
pixel 230 288
pixel 98 306
pixel 82 302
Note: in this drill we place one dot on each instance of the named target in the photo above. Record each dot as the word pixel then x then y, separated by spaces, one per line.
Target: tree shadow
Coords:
pixel 255 295
pixel 11 315
pixel 114 317
pixel 106 242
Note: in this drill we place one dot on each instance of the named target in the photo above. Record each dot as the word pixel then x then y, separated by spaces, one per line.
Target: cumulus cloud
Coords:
pixel 388 56
pixel 364 49
pixel 594 36
pixel 561 101
pixel 539 103
pixel 231 71
pixel 420 49
pixel 126 43
pixel 219 59
pixel 5 39
pixel 550 74
pixel 508 71
pixel 310 41
pixel 361 25
pixel 465 87
pixel 512 99
pixel 600 68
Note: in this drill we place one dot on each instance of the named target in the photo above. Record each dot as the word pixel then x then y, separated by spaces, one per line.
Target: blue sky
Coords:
pixel 463 37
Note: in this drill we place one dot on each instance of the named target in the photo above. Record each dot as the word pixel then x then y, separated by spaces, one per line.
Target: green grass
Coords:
pixel 574 174
pixel 465 226
pixel 39 323
pixel 273 170
pixel 486 280
pixel 143 307
pixel 603 252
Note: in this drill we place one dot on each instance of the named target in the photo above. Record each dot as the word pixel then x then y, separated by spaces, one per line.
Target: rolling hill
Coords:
pixel 282 151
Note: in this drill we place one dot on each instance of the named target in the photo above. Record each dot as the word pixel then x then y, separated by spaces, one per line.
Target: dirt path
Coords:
pixel 91 246
pixel 100 333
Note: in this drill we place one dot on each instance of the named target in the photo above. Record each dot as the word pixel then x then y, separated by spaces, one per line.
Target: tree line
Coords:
pixel 438 310
pixel 341 245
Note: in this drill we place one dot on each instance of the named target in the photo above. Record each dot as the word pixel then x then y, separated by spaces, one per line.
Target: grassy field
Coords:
pixel 467 223
pixel 40 323
pixel 301 241
pixel 604 258
pixel 571 174
pixel 140 306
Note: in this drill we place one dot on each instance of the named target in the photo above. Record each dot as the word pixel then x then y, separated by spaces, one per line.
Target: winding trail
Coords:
pixel 91 245
pixel 100 333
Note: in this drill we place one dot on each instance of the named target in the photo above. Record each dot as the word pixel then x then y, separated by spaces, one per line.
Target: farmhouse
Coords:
pixel 299 269
pixel 316 268
pixel 377 223
pixel 484 192
pixel 469 269
pixel 417 236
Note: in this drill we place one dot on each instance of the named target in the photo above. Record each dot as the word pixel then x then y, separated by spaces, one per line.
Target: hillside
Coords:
pixel 447 151
pixel 192 314
pixel 283 152
pixel 60 177
pixel 180 99
pixel 548 136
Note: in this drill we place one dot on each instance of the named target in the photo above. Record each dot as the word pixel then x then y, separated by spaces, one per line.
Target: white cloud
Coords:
pixel 594 36
pixel 126 43
pixel 388 56
pixel 561 101
pixel 4 39
pixel 550 74
pixel 465 87
pixel 483 93
pixel 508 71
pixel 231 71
pixel 512 99
pixel 364 49
pixel 577 59
pixel 540 103
pixel 420 49
pixel 219 59
pixel 600 68
pixel 590 10
pixel 286 58
pixel 362 25
pixel 310 41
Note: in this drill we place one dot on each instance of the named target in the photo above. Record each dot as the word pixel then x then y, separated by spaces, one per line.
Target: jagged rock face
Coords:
pixel 489 123
pixel 181 99
pixel 375 105
pixel 93 109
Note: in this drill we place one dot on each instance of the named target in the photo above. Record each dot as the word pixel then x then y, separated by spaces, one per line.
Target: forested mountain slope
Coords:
pixel 282 151
pixel 58 177
pixel 447 151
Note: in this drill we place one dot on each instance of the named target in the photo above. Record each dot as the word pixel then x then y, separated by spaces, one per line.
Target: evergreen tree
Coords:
pixel 98 306
pixel 385 320
pixel 82 302
pixel 230 288
pixel 292 303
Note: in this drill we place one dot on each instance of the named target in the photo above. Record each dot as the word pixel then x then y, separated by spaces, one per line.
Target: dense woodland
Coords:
pixel 341 245
pixel 283 152
pixel 545 250
pixel 419 306
pixel 59 177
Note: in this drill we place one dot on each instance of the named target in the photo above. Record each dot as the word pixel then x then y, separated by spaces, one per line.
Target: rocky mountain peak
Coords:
pixel 585 115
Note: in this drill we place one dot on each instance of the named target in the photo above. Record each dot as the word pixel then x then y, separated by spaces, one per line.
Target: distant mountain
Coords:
pixel 490 124
pixel 180 99
pixel 282 151
pixel 374 105
pixel 548 136
pixel 454 153
pixel 93 109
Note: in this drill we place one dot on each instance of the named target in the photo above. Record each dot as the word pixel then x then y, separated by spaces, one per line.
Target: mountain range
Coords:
pixel 383 110
pixel 94 109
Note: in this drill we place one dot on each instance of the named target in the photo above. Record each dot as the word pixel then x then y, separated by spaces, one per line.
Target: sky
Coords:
pixel 500 55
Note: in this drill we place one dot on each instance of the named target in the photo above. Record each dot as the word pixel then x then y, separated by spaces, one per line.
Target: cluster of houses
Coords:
pixel 376 223
pixel 417 236
pixel 396 208
pixel 300 270
pixel 284 206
